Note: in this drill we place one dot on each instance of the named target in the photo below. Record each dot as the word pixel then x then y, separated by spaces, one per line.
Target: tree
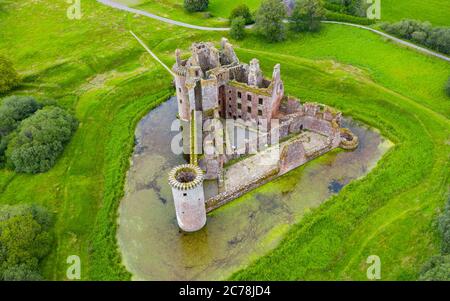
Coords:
pixel 447 87
pixel 8 75
pixel 419 37
pixel 269 20
pixel 40 140
pixel 444 224
pixel 307 15
pixel 25 240
pixel 436 269
pixel 14 109
pixel 237 30
pixel 196 5
pixel 437 38
pixel 244 12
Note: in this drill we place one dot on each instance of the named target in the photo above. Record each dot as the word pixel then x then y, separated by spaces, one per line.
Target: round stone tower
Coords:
pixel 188 195
pixel 181 71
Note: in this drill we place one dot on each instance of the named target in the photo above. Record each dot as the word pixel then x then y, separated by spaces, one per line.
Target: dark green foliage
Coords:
pixel 349 7
pixel 8 75
pixel 357 8
pixel 332 6
pixel 436 269
pixel 437 38
pixel 333 16
pixel 444 229
pixel 237 30
pixel 40 140
pixel 196 5
pixel 269 20
pixel 24 241
pixel 447 87
pixel 13 110
pixel 242 11
pixel 307 15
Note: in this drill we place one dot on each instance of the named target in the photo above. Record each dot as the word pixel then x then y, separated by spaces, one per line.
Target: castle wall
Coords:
pixel 182 97
pixel 246 104
pixel 227 196
pixel 210 94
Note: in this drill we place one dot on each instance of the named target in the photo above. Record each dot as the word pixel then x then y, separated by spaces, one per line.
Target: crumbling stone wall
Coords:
pixel 292 155
pixel 227 196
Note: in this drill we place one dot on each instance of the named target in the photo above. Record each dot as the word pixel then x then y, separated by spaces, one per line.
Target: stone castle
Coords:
pixel 213 86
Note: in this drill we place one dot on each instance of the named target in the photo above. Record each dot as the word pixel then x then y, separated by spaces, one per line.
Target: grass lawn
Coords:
pixel 435 11
pixel 95 68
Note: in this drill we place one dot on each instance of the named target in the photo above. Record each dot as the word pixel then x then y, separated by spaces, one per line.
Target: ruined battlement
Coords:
pixel 215 79
pixel 216 84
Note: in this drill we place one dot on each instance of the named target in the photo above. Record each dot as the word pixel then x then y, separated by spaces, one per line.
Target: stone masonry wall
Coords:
pixel 227 196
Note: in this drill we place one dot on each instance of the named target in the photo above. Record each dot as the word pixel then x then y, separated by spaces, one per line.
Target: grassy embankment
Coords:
pixel 96 69
pixel 390 212
pixel 93 67
pixel 435 11
pixel 215 16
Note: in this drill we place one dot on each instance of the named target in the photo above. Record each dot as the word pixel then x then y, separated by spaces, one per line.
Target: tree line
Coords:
pixel 436 38
pixel 33 134
pixel 438 267
pixel 25 239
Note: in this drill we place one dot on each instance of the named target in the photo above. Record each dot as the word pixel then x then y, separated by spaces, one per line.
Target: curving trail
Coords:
pixel 123 7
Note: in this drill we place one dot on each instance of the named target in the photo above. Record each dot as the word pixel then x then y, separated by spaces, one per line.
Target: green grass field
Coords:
pixel 434 11
pixel 95 68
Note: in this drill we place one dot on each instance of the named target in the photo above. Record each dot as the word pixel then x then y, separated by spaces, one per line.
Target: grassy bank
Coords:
pixel 434 11
pixel 96 69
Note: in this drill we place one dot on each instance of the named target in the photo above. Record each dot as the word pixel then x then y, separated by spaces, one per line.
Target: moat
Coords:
pixel 153 247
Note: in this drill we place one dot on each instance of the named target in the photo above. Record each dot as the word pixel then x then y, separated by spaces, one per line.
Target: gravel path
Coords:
pixel 173 22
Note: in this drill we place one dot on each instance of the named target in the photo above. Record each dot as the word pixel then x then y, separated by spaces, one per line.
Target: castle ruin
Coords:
pixel 270 133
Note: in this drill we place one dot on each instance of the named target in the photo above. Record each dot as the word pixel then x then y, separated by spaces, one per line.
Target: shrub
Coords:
pixel 444 229
pixel 269 20
pixel 436 269
pixel 196 5
pixel 307 15
pixel 40 140
pixel 8 75
pixel 237 30
pixel 354 7
pixel 244 12
pixel 335 6
pixel 437 38
pixel 24 241
pixel 333 16
pixel 447 87
pixel 13 110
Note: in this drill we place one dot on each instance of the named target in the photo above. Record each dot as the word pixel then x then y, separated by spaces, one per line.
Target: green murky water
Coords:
pixel 152 246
